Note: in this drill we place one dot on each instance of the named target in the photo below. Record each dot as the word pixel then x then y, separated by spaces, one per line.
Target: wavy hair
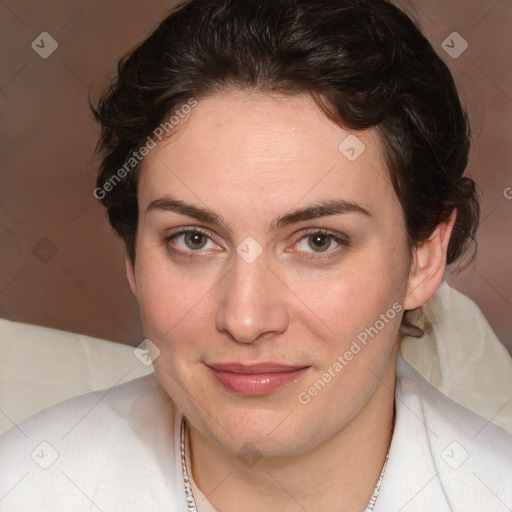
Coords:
pixel 366 64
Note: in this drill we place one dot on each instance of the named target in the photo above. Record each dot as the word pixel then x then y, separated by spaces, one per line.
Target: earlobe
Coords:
pixel 130 274
pixel 429 265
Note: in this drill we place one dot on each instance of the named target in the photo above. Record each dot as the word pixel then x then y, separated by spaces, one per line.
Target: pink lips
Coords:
pixel 255 380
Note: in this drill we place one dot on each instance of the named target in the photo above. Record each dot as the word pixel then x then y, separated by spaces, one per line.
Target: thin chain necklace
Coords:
pixel 191 502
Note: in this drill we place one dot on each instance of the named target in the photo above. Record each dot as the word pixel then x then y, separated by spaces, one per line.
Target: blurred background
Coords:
pixel 61 266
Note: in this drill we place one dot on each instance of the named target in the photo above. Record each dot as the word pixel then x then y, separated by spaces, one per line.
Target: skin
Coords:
pixel 251 159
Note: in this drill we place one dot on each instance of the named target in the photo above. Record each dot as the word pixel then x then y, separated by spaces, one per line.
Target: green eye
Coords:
pixel 192 242
pixel 319 242
pixel 195 241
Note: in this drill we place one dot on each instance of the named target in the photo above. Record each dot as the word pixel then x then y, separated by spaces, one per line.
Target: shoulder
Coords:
pixel 98 446
pixel 448 456
pixel 443 416
pixel 92 411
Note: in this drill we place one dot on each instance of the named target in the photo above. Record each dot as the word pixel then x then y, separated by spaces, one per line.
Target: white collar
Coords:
pixel 462 357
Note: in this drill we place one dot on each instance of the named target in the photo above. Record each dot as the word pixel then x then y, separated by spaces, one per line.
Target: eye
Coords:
pixel 319 242
pixel 191 240
pixel 195 240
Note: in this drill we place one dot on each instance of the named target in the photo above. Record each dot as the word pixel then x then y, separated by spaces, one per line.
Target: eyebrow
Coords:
pixel 315 211
pixel 318 210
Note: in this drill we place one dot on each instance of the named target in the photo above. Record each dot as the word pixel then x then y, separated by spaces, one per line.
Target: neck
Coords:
pixel 339 474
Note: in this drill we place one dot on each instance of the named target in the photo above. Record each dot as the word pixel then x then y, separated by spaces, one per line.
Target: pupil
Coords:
pixel 319 243
pixel 195 240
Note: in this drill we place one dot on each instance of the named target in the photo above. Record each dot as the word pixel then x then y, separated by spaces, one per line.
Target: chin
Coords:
pixel 268 432
pixel 274 425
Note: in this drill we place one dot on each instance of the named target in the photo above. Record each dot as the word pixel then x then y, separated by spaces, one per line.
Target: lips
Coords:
pixel 255 380
pixel 255 368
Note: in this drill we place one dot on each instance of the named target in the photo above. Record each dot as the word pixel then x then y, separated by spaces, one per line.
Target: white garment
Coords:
pixel 118 451
pixel 461 356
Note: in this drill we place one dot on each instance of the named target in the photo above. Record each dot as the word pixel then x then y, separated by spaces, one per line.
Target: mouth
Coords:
pixel 256 380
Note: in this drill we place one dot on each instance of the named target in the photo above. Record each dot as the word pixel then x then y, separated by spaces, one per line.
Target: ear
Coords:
pixel 429 265
pixel 130 274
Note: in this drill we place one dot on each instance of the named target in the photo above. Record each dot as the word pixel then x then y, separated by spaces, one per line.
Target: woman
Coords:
pixel 287 177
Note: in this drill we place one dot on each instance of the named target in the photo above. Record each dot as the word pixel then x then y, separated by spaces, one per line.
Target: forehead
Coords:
pixel 265 150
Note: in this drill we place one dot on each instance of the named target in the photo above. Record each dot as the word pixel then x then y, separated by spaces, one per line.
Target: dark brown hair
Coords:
pixel 365 62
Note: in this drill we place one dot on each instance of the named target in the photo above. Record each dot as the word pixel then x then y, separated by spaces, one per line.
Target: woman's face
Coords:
pixel 271 270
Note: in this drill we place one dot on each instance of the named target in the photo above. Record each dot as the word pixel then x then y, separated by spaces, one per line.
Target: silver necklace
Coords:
pixel 191 502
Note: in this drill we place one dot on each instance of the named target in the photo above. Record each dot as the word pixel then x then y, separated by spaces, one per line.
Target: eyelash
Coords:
pixel 342 242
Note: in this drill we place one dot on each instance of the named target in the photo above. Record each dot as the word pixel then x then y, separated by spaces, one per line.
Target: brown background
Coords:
pixel 60 264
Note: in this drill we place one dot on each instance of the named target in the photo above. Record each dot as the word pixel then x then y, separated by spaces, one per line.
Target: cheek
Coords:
pixel 361 313
pixel 174 304
pixel 178 304
pixel 351 299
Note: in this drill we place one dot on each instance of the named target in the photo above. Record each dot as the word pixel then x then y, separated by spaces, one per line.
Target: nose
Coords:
pixel 252 305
